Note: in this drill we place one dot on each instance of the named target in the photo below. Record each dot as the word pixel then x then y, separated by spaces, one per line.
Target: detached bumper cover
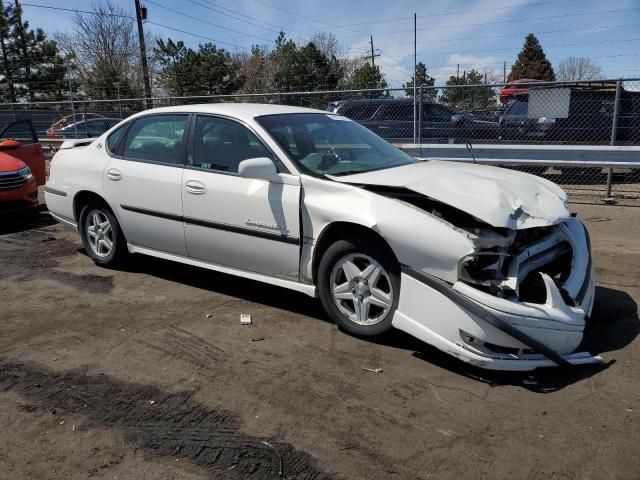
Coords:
pixel 444 315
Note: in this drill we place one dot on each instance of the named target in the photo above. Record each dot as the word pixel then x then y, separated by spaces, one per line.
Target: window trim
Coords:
pixel 189 164
pixel 119 154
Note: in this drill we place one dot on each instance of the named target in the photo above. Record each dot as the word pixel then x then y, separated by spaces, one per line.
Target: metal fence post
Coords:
pixel 614 131
pixel 420 113
pixel 84 117
pixel 13 111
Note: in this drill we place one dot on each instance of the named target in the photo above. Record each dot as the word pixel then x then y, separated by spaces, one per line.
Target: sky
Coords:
pixel 480 34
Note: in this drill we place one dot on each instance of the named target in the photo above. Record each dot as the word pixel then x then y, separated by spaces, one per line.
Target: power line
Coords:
pixel 516 20
pixel 133 18
pixel 460 12
pixel 207 22
pixel 599 42
pixel 564 30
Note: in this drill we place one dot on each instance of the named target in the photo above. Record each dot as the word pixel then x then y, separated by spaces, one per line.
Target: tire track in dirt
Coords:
pixel 179 343
pixel 163 424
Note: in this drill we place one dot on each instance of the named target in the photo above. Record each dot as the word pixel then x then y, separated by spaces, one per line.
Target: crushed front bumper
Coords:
pixel 497 333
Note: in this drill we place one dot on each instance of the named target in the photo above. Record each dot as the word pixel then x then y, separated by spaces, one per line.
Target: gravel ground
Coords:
pixel 146 373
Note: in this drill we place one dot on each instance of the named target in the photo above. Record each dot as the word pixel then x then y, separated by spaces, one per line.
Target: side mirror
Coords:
pixel 457 118
pixel 261 167
pixel 10 144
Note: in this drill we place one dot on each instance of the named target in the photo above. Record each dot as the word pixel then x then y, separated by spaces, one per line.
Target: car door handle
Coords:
pixel 195 187
pixel 114 174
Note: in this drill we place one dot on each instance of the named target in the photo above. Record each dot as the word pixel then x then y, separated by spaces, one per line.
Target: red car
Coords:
pixel 22 167
pixel 516 87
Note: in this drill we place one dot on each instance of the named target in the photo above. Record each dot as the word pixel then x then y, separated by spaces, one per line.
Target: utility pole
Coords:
pixel 458 74
pixel 141 14
pixel 73 108
pixel 373 61
pixel 504 72
pixel 415 79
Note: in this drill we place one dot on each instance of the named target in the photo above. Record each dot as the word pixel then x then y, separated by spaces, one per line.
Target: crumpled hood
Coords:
pixel 9 163
pixel 500 197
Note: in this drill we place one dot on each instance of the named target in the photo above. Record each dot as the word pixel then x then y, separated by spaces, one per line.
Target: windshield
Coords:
pixel 330 144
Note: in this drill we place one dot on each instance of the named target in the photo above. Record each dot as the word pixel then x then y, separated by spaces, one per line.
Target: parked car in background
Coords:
pixel 22 167
pixel 589 120
pixel 484 263
pixel 392 119
pixel 89 128
pixel 516 87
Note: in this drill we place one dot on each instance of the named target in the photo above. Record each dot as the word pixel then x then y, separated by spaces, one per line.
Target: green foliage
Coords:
pixel 184 71
pixel 367 76
pixel 31 67
pixel 424 80
pixel 469 98
pixel 105 81
pixel 532 63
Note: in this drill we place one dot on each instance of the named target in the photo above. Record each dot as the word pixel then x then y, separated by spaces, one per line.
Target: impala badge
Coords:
pixel 270 226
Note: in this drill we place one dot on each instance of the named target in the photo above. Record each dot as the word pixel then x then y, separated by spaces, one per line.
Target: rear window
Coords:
pixel 517 107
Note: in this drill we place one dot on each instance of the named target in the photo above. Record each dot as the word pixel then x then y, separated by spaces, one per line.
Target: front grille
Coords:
pixel 11 181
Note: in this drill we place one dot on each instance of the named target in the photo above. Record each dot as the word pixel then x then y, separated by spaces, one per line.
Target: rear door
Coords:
pixel 31 151
pixel 142 181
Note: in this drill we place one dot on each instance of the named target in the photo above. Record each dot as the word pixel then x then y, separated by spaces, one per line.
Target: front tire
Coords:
pixel 359 286
pixel 101 235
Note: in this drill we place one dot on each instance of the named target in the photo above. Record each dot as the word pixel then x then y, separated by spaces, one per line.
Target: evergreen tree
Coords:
pixel 178 68
pixel 424 80
pixel 532 63
pixel 30 64
pixel 367 76
pixel 470 98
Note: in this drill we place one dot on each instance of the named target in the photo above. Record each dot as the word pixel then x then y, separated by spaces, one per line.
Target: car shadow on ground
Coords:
pixel 20 222
pixel 614 324
pixel 230 285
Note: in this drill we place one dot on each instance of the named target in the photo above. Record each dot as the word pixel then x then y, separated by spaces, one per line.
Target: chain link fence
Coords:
pixel 605 112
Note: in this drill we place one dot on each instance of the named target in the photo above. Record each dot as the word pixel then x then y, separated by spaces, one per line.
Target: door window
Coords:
pixel 221 144
pixel 156 138
pixel 21 131
pixel 402 112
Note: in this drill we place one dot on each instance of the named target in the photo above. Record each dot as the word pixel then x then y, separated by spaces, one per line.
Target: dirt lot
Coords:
pixel 146 373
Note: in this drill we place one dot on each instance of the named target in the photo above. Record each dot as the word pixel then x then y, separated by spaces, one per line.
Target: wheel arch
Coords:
pixel 84 197
pixel 345 230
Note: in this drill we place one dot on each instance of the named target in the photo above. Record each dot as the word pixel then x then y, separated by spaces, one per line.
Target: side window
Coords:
pixel 156 138
pixel 359 111
pixel 221 144
pixel 436 113
pixel 114 138
pixel 21 131
pixel 397 112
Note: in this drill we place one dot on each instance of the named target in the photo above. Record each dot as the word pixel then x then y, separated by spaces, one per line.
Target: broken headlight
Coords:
pixel 484 268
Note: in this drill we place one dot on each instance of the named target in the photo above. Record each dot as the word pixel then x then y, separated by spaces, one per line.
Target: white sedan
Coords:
pixel 484 263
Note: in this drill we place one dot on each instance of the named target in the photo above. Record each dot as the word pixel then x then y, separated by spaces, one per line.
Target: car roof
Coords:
pixel 380 101
pixel 238 110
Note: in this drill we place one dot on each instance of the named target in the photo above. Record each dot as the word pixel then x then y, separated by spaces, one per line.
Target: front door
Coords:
pixel 142 181
pixel 234 221
pixel 31 151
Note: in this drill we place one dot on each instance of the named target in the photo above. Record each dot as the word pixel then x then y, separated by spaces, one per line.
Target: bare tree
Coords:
pixel 578 68
pixel 327 43
pixel 104 42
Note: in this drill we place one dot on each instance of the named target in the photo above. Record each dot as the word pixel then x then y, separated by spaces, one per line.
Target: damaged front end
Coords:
pixel 521 298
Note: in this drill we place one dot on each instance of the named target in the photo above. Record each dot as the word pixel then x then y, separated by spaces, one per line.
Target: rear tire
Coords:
pixel 101 235
pixel 359 286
